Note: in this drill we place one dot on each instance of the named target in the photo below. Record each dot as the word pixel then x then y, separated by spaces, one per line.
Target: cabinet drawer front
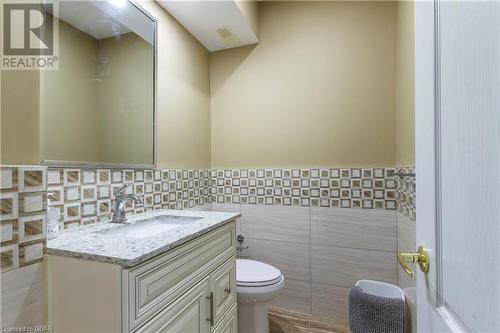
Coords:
pixel 158 282
pixel 223 285
pixel 230 322
pixel 188 314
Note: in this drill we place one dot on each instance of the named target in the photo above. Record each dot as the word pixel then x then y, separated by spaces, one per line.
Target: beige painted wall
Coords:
pixel 318 90
pixel 69 117
pixel 19 117
pixel 250 11
pixel 405 85
pixel 183 114
pixel 405 106
pixel 97 106
pixel 125 99
pixel 259 93
pixel 183 109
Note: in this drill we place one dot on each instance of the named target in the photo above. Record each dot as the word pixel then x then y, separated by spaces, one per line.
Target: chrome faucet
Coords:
pixel 120 199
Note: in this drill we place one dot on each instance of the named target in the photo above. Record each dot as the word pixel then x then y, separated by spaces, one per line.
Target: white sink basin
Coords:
pixel 154 226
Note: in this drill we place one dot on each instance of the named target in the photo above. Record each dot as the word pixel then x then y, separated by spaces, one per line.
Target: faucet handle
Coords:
pixel 121 191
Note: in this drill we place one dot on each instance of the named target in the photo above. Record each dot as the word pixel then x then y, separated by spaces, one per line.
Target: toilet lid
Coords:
pixel 255 273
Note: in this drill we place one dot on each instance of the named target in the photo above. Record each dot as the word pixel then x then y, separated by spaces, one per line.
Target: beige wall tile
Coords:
pixel 404 280
pixel 407 237
pixel 276 223
pixel 205 207
pixel 330 301
pixel 232 208
pixel 358 228
pixel 406 243
pixel 344 266
pixel 226 207
pixel 22 297
pixel 294 297
pixel 293 259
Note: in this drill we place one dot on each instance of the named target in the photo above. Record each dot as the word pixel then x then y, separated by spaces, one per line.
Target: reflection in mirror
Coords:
pixel 99 106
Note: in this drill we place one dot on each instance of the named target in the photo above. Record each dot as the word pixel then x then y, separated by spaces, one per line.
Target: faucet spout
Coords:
pixel 121 199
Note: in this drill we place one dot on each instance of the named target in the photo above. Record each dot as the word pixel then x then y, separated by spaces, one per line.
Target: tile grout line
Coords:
pixel 322 245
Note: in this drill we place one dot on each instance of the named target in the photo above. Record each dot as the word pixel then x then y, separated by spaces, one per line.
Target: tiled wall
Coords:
pixel 86 196
pixel 406 221
pixel 370 188
pixel 324 228
pixel 83 196
pixel 322 252
pixel 21 297
pixel 23 206
pixel 406 193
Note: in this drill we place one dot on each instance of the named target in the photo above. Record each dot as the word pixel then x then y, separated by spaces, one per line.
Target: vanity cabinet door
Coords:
pixel 154 285
pixel 223 287
pixel 190 313
pixel 230 323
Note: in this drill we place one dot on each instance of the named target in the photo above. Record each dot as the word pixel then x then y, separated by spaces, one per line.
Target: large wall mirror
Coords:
pixel 98 107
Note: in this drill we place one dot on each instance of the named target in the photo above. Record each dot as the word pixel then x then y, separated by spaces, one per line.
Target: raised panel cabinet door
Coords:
pixel 223 287
pixel 188 314
pixel 230 322
pixel 158 282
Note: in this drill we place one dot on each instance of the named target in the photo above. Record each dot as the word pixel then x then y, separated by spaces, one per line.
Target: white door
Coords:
pixel 457 68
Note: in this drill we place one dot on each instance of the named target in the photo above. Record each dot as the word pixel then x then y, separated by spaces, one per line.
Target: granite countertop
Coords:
pixel 130 245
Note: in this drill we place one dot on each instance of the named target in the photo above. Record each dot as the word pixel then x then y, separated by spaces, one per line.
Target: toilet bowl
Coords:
pixel 257 284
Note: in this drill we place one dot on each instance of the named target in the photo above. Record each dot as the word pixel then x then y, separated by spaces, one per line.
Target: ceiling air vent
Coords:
pixel 227 36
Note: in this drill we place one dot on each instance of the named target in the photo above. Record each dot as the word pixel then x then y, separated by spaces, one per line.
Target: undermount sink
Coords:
pixel 147 228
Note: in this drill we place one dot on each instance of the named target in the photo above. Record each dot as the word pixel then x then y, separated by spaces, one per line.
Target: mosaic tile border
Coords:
pixel 367 188
pixel 406 188
pixel 22 217
pixel 84 195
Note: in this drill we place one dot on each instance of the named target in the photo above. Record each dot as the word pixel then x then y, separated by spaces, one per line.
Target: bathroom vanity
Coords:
pixel 166 271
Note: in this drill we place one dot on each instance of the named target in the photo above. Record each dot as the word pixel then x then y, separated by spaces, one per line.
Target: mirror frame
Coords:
pixel 111 165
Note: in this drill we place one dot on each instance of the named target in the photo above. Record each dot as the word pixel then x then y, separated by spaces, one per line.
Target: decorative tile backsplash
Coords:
pixel 23 207
pixel 84 195
pixel 406 188
pixel 372 188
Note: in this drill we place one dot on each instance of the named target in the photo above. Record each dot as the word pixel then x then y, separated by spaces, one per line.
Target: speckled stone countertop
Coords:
pixel 120 244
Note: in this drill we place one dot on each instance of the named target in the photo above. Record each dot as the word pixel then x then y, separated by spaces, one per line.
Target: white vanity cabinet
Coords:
pixel 190 288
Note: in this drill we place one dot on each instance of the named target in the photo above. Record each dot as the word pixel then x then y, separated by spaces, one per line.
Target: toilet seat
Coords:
pixel 257 285
pixel 251 273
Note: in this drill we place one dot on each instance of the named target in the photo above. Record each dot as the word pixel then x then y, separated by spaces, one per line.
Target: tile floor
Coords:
pixel 283 321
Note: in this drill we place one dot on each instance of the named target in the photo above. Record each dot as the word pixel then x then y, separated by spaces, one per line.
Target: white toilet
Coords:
pixel 258 283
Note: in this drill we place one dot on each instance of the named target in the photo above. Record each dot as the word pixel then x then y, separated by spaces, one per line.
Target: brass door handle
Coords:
pixel 420 257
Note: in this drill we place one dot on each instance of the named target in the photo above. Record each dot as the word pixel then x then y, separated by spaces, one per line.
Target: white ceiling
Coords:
pixel 104 19
pixel 203 19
